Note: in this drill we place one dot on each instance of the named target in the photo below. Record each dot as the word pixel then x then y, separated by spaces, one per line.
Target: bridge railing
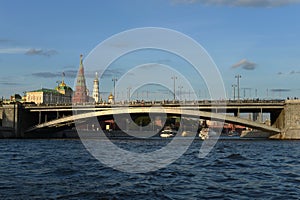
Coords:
pixel 165 102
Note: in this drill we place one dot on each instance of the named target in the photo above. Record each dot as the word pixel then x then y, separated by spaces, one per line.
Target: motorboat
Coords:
pixel 233 134
pixel 204 134
pixel 167 132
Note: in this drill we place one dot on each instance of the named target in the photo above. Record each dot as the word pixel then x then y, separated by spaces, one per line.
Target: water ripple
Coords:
pixel 235 169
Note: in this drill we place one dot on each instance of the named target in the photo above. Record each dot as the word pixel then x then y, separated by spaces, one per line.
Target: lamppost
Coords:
pixel 233 87
pixel 129 88
pixel 249 92
pixel 180 87
pixel 114 80
pixel 238 85
pixel 174 78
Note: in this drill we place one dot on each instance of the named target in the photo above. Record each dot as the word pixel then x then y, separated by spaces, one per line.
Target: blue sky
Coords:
pixel 258 39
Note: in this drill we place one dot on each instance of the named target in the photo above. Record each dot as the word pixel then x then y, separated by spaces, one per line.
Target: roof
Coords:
pixel 45 90
pixel 64 88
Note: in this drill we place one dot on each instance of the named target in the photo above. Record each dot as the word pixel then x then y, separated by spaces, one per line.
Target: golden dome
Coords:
pixel 62 84
pixel 111 96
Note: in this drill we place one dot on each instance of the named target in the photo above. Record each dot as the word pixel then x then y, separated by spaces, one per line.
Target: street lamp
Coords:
pixel 114 80
pixel 129 88
pixel 249 92
pixel 238 85
pixel 233 87
pixel 174 78
pixel 180 87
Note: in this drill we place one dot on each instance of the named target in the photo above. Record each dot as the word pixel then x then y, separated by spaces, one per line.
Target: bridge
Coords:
pixel 284 115
pixel 155 110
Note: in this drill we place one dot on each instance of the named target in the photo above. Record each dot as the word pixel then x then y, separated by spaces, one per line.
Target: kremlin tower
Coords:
pixel 96 89
pixel 80 94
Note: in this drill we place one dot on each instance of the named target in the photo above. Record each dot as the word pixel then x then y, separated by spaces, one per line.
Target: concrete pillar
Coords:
pixel 261 116
pixel 288 121
pixel 11 115
pixel 237 112
pixel 40 117
pixel 1 115
pixel 254 116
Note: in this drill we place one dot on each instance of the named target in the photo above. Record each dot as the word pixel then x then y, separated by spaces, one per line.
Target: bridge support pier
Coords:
pixel 288 120
pixel 11 118
pixel 15 120
pixel 237 113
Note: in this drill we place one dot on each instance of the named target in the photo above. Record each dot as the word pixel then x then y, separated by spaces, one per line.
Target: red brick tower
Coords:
pixel 80 94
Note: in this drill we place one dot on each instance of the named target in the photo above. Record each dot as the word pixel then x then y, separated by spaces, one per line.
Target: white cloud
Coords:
pixel 243 3
pixel 28 51
pixel 245 64
pixel 40 52
pixel 13 50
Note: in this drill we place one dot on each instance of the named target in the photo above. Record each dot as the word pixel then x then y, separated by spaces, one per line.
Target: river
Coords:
pixel 234 169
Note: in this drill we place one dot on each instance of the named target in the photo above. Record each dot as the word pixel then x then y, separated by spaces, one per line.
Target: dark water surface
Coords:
pixel 235 169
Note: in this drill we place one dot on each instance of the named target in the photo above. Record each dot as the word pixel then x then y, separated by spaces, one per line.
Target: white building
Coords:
pixel 62 94
pixel 96 89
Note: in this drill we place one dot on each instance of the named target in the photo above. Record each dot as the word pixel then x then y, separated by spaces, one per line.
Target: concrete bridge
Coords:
pixel 157 110
pixel 284 115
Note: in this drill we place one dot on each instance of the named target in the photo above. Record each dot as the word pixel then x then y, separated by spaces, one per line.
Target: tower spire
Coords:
pixel 63 77
pixel 81 58
pixel 80 95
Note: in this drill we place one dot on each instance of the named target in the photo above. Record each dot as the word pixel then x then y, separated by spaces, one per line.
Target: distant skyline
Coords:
pixel 260 40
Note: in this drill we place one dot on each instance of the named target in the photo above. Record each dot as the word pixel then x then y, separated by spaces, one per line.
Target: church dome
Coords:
pixel 62 84
pixel 111 96
pixel 64 89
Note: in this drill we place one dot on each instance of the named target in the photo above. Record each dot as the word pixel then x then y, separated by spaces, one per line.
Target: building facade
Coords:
pixel 47 96
pixel 96 94
pixel 62 94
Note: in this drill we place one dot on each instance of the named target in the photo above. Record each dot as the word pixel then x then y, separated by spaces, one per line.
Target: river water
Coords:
pixel 234 169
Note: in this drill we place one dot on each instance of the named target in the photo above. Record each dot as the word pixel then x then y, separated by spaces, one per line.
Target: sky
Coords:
pixel 258 39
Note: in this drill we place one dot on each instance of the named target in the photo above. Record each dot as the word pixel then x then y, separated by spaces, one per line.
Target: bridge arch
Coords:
pixel 168 110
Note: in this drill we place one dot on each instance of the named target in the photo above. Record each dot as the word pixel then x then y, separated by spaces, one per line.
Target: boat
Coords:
pixel 204 134
pixel 208 133
pixel 167 132
pixel 233 134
